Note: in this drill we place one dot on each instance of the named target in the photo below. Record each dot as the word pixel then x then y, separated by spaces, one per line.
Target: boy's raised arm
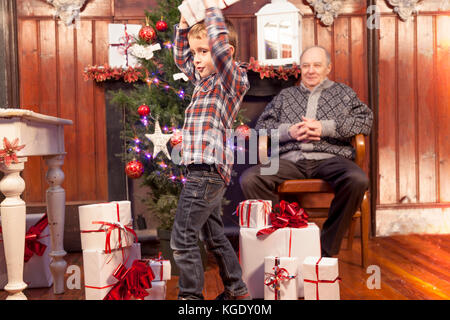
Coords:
pixel 232 76
pixel 181 50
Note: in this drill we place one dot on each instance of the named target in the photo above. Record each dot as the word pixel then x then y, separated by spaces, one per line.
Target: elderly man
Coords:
pixel 316 122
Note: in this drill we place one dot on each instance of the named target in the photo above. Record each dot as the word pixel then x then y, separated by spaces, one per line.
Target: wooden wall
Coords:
pixel 414 113
pixel 413 136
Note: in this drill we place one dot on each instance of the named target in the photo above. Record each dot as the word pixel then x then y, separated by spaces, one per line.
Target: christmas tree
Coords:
pixel 159 100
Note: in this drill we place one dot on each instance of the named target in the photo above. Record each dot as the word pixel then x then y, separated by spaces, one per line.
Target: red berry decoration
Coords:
pixel 134 169
pixel 147 33
pixel 161 25
pixel 243 131
pixel 144 110
pixel 176 138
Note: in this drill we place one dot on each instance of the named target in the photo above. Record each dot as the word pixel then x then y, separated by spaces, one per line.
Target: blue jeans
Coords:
pixel 199 213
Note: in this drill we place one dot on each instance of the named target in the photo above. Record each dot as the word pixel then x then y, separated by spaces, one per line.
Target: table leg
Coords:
pixel 56 205
pixel 13 211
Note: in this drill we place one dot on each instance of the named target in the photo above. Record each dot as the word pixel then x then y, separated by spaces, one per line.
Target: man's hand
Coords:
pixel 306 130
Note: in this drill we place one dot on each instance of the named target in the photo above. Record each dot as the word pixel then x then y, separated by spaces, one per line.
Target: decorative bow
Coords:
pixel 112 226
pixel 132 282
pixel 274 279
pixel 286 215
pixel 32 245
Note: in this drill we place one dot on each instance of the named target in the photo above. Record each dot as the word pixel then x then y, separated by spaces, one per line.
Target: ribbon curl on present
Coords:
pixel 240 210
pixel 286 215
pixel 132 282
pixel 32 245
pixel 111 227
pixel 316 282
pixel 274 279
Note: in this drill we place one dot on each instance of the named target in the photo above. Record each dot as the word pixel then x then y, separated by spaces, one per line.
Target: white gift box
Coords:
pixel 254 213
pixel 96 220
pixel 194 10
pixel 99 268
pixel 321 277
pixel 36 271
pixel 280 281
pixel 161 269
pixel 157 291
pixel 285 242
pixel 121 38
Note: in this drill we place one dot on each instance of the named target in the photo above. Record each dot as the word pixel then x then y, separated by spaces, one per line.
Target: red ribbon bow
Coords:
pixel 133 282
pixel 32 245
pixel 286 215
pixel 274 279
pixel 112 226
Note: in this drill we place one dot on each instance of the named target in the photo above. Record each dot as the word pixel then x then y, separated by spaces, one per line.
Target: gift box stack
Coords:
pixel 121 38
pixel 273 243
pixel 36 269
pixel 113 269
pixel 194 10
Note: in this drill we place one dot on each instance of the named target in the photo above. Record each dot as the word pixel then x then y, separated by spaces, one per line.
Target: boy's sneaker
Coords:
pixel 226 295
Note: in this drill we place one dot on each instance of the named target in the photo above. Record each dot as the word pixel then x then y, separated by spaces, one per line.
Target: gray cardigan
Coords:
pixel 334 104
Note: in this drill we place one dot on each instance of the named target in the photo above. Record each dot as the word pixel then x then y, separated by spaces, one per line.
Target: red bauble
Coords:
pixel 147 33
pixel 144 110
pixel 161 25
pixel 176 138
pixel 134 169
pixel 243 131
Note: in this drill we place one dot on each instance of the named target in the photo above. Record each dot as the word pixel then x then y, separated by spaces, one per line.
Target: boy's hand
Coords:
pixel 183 23
pixel 210 3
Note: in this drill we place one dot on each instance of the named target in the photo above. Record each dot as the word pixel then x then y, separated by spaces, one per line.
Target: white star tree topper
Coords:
pixel 159 141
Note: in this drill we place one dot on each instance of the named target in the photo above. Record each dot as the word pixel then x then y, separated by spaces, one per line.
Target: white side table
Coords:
pixel 43 136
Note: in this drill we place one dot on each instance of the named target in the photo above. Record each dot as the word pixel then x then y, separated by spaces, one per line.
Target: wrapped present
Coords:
pixel 254 213
pixel 106 226
pixel 121 38
pixel 283 242
pixel 321 278
pixel 161 268
pixel 157 291
pixel 280 278
pixel 101 269
pixel 194 10
pixel 36 269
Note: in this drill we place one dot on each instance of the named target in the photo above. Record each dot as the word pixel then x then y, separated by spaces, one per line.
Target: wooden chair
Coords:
pixel 315 195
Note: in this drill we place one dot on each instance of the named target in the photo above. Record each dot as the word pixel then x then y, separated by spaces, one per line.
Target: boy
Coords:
pixel 205 54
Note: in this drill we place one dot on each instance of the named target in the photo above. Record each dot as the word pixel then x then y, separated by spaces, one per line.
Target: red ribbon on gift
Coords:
pixel 111 227
pixel 123 47
pixel 161 264
pixel 132 282
pixel 274 279
pixel 240 210
pixel 320 281
pixel 32 245
pixel 286 215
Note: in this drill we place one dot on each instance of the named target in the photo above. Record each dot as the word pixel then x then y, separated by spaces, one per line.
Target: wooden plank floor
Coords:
pixel 412 267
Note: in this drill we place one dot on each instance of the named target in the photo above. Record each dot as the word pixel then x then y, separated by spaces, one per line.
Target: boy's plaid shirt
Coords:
pixel 215 101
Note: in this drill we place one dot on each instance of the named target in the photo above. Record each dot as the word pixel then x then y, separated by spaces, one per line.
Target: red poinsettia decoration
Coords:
pixel 8 153
pixel 282 73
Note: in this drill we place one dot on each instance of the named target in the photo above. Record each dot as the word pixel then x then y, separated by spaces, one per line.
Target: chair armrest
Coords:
pixel 359 143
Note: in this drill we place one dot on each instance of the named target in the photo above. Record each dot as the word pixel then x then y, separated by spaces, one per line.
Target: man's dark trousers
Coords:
pixel 345 177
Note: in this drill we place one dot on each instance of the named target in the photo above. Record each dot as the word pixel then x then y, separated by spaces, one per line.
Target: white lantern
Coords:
pixel 279 33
